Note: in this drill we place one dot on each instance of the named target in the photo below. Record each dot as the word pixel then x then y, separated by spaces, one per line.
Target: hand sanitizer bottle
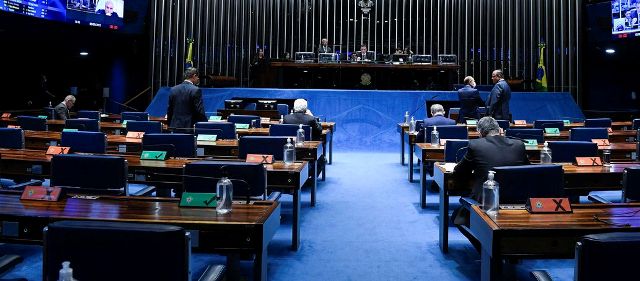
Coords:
pixel 66 272
pixel 412 125
pixel 224 194
pixel 435 137
pixel 289 153
pixel 300 136
pixel 406 118
pixel 490 195
pixel 545 154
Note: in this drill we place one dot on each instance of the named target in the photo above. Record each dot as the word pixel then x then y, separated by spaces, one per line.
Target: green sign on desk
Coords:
pixel 531 142
pixel 153 155
pixel 42 116
pixel 204 137
pixel 242 126
pixel 69 130
pixel 566 122
pixel 552 131
pixel 215 118
pixel 200 200
pixel 124 123
pixel 472 122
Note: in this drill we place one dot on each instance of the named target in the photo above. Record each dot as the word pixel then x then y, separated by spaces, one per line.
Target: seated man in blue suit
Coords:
pixel 469 100
pixel 302 115
pixel 437 117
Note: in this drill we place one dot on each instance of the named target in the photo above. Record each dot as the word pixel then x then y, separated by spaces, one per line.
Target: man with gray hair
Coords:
pixel 302 115
pixel 483 154
pixel 470 100
pixel 437 117
pixel 61 111
pixel 185 102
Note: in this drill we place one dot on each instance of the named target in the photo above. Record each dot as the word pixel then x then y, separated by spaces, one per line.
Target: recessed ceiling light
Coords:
pixel 84 53
pixel 610 51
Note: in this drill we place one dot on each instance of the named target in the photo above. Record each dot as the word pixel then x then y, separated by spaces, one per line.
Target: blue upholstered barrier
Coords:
pixel 366 120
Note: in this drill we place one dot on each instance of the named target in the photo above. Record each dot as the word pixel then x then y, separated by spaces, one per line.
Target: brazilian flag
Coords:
pixel 189 60
pixel 541 74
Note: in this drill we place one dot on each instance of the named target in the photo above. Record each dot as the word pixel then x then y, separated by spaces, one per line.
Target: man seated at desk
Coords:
pixel 483 154
pixel 364 54
pixel 302 115
pixel 61 111
pixel 437 117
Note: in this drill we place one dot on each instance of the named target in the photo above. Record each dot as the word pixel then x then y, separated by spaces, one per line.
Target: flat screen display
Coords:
pixel 100 13
pixel 625 15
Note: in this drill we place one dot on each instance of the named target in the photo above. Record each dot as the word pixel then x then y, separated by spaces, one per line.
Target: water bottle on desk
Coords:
pixel 545 154
pixel 412 125
pixel 289 153
pixel 490 195
pixel 606 157
pixel 66 272
pixel 435 137
pixel 406 118
pixel 281 119
pixel 224 192
pixel 300 136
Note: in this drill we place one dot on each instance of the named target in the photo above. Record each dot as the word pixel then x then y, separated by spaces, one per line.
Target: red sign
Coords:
pixel 6 115
pixel 13 126
pixel 548 205
pixel 260 158
pixel 135 135
pixel 41 193
pixel 601 142
pixel 520 122
pixel 588 161
pixel 53 150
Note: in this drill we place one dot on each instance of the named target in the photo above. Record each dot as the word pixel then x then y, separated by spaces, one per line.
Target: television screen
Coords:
pixel 625 15
pixel 100 13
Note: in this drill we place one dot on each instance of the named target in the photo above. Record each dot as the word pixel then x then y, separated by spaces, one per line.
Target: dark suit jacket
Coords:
pixel 469 102
pixel 322 49
pixel 305 119
pixel 185 106
pixel 370 55
pixel 498 101
pixel 438 120
pixel 61 112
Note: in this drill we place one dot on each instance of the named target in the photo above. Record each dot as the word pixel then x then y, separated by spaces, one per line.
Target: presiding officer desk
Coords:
pixel 519 234
pixel 577 180
pixel 248 229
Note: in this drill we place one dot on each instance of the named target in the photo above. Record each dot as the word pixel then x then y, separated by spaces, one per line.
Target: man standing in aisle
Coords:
pixel 498 101
pixel 185 102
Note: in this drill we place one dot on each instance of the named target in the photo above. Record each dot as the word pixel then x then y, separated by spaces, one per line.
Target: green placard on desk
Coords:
pixel 566 122
pixel 153 155
pixel 204 137
pixel 532 142
pixel 200 200
pixel 124 123
pixel 42 116
pixel 215 118
pixel 472 122
pixel 552 131
pixel 69 130
pixel 242 126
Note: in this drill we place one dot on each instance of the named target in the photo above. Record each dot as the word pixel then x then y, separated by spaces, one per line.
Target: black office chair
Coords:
pixel 88 114
pixel 11 138
pixel 630 187
pixel 90 125
pixel 148 127
pixel 598 123
pixel 604 256
pixel 100 250
pixel 176 145
pixel 86 142
pixel 587 134
pixel 32 123
pixel 504 124
pixel 567 151
pixel 224 130
pixel 135 116
pixel 543 124
pixel 262 145
pixel 636 124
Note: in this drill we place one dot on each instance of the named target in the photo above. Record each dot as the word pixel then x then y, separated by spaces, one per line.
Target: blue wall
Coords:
pixel 366 120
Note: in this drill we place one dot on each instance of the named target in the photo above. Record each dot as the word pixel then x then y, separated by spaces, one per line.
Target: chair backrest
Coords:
pixel 605 256
pixel 244 119
pixel 250 106
pixel 148 127
pixel 176 145
pixel 90 125
pixel 518 183
pixel 289 130
pixel 11 138
pixel 228 129
pixel 453 110
pixel 445 132
pixel 101 251
pixel 90 173
pixel 631 184
pixel 598 123
pixel 32 123
pixel 567 151
pixel 249 179
pixel 136 116
pixel 454 150
pixel 537 134
pixel 87 142
pixel 636 124
pixel 587 134
pixel 543 124
pixel 283 109
pixel 262 145
pixel 88 114
pixel 504 124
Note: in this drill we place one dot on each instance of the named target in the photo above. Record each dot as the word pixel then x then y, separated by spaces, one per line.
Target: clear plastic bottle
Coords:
pixel 224 192
pixel 545 154
pixel 289 153
pixel 406 118
pixel 281 119
pixel 435 137
pixel 412 125
pixel 66 272
pixel 490 195
pixel 300 136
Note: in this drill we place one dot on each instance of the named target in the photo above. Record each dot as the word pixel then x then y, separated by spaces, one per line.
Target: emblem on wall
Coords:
pixel 365 6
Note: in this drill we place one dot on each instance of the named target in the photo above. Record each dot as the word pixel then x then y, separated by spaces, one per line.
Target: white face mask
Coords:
pixel 473 84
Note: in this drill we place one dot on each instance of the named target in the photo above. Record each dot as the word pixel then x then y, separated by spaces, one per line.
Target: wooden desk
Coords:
pixel 247 229
pixel 518 234
pixel 289 179
pixel 577 180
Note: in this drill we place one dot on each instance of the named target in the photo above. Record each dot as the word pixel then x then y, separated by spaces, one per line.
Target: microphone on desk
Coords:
pixel 424 104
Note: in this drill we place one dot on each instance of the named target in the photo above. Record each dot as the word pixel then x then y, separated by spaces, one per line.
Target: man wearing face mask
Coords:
pixel 185 102
pixel 469 100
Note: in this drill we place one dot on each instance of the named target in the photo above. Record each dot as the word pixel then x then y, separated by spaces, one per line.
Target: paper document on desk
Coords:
pixel 448 167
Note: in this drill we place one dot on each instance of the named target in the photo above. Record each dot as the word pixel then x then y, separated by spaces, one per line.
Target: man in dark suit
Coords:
pixel 302 115
pixel 498 102
pixel 324 46
pixel 364 54
pixel 185 102
pixel 469 100
pixel 437 117
pixel 61 111
pixel 483 154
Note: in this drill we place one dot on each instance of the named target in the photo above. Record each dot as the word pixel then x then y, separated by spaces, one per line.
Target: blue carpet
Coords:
pixel 367 225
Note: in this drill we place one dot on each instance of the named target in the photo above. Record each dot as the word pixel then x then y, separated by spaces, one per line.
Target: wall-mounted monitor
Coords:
pixel 625 18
